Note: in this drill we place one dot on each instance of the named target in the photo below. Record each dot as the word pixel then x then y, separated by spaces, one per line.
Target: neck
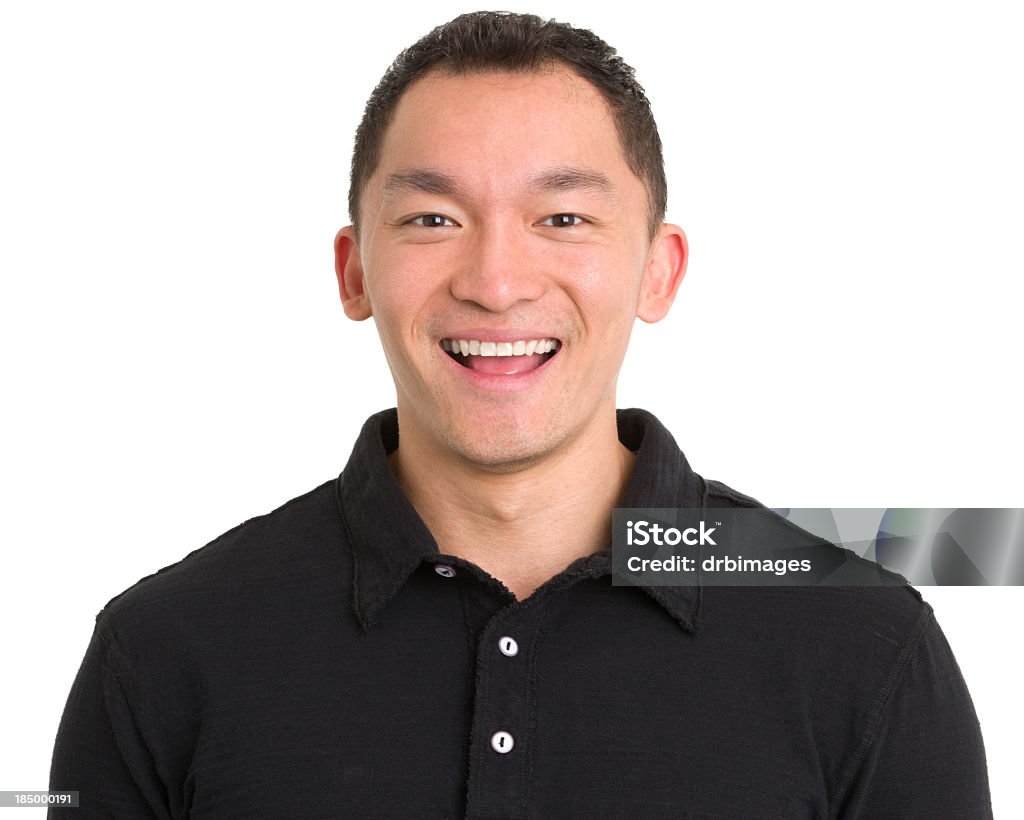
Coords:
pixel 525 526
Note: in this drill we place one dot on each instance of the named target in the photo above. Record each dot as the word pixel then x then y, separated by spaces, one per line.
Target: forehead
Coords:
pixel 500 124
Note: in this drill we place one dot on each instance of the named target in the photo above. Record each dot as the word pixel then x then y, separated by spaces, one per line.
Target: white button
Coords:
pixel 508 646
pixel 444 570
pixel 502 742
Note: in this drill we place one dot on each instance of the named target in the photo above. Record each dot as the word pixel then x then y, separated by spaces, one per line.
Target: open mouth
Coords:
pixel 501 358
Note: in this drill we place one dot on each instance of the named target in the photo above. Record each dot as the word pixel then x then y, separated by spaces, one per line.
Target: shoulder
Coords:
pixel 857 627
pixel 243 567
pixel 850 568
pixel 833 657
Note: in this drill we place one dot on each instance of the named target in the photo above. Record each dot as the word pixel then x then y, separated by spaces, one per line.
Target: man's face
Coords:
pixel 503 215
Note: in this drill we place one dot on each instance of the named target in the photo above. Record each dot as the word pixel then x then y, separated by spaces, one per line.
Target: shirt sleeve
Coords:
pixel 99 750
pixel 922 756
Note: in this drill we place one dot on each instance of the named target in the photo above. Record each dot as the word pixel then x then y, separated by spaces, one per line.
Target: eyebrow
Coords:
pixel 423 180
pixel 561 178
pixel 567 178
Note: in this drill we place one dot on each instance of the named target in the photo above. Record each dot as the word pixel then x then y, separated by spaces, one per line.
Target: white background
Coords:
pixel 175 358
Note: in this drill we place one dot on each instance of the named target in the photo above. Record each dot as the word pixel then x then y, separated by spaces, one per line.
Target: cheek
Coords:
pixel 390 317
pixel 402 305
pixel 606 293
pixel 397 293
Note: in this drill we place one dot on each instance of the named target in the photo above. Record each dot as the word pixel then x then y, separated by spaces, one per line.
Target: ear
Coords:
pixel 666 267
pixel 351 282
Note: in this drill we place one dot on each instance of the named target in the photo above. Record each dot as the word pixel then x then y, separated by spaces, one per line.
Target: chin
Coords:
pixel 507 449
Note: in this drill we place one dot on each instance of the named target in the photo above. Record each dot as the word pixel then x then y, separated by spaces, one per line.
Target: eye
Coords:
pixel 563 221
pixel 431 221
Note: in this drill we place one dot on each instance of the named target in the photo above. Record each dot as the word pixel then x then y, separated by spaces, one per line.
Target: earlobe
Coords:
pixel 665 270
pixel 348 267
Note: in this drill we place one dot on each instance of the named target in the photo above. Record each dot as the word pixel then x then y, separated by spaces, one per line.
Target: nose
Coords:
pixel 499 269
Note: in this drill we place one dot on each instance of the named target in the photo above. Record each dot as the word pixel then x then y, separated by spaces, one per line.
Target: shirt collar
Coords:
pixel 389 540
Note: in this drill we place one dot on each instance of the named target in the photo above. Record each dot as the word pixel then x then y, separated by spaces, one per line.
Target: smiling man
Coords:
pixel 505 248
pixel 435 632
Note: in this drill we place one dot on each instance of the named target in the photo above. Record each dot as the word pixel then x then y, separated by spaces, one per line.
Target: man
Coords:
pixel 435 632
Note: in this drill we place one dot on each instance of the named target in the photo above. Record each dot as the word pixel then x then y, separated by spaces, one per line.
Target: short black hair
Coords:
pixel 503 41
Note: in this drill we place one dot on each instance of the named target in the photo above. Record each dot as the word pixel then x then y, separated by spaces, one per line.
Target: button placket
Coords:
pixel 503 713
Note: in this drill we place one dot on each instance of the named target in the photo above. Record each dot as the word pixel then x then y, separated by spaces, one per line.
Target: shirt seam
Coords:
pixel 361 618
pixel 116 657
pixel 113 653
pixel 883 699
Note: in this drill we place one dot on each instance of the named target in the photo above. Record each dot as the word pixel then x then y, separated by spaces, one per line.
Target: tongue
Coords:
pixel 504 365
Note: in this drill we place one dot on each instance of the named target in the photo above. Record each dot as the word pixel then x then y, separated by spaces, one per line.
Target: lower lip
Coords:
pixel 501 384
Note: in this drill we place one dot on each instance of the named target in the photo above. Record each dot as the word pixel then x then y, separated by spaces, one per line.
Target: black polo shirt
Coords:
pixel 325 660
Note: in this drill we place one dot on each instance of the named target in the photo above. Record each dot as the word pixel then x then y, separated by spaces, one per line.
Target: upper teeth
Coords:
pixel 520 347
